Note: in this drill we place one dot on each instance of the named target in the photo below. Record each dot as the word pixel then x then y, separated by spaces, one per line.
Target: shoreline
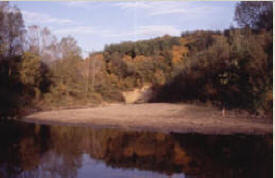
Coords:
pixel 159 117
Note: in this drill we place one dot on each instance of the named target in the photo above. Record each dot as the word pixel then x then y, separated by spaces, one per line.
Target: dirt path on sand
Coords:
pixel 157 117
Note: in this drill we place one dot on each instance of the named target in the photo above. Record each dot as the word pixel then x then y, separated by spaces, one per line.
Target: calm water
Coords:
pixel 29 150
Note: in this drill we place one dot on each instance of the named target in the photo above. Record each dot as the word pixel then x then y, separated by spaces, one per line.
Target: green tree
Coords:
pixel 29 70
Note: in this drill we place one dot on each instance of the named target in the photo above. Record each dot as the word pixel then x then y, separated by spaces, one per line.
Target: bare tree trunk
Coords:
pixel 87 89
pixel 93 74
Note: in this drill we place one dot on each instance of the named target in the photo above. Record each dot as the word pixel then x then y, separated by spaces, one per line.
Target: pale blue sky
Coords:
pixel 95 24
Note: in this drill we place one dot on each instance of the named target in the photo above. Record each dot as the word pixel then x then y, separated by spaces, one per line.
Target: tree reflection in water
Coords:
pixel 29 150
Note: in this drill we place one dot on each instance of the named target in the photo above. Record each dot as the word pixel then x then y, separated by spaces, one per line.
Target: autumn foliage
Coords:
pixel 230 68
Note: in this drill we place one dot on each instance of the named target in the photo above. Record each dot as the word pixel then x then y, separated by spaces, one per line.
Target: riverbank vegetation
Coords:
pixel 230 68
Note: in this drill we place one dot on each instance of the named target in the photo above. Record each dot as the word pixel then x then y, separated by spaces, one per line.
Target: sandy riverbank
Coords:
pixel 162 117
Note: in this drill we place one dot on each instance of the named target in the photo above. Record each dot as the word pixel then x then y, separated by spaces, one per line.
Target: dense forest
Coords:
pixel 231 68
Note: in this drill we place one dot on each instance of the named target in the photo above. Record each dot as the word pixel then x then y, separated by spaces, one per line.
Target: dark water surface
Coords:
pixel 29 150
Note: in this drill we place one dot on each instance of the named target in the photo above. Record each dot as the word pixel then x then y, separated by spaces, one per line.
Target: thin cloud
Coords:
pixel 79 4
pixel 142 31
pixel 76 30
pixel 86 5
pixel 127 5
pixel 82 30
pixel 164 8
pixel 36 18
pixel 148 31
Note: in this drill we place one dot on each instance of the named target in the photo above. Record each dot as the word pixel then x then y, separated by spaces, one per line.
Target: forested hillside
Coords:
pixel 231 68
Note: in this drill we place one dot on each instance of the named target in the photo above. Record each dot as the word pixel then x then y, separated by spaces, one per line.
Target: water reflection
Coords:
pixel 29 150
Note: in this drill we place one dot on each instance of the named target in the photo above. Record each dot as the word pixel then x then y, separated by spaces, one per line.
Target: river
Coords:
pixel 32 150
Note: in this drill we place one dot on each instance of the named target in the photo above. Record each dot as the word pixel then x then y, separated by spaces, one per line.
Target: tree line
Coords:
pixel 230 68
